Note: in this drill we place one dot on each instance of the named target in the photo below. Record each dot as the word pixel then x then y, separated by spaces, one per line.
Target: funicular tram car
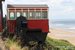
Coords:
pixel 34 16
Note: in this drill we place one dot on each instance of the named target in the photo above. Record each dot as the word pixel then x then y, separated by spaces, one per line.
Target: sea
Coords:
pixel 65 25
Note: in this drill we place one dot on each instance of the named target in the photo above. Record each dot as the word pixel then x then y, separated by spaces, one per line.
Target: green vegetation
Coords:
pixel 58 44
pixel 49 44
pixel 32 43
pixel 12 44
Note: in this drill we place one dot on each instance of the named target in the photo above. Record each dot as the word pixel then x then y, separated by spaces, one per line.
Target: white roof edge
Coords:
pixel 27 5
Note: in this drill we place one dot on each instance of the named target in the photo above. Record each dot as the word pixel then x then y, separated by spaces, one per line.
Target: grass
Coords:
pixel 58 44
pixel 32 43
pixel 49 44
pixel 14 45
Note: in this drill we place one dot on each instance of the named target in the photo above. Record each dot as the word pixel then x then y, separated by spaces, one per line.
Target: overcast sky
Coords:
pixel 58 9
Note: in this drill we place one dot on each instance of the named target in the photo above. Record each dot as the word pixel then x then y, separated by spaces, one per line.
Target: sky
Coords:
pixel 58 9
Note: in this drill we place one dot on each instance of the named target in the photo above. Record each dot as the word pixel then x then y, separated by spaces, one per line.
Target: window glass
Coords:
pixel 38 15
pixel 44 14
pixel 18 14
pixel 31 15
pixel 25 14
pixel 11 15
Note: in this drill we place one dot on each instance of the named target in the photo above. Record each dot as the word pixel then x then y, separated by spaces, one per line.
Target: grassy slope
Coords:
pixel 13 45
pixel 48 43
pixel 57 43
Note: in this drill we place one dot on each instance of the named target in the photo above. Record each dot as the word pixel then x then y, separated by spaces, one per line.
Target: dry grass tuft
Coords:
pixel 14 47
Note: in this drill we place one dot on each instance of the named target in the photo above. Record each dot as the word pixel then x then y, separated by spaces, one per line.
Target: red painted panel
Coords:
pixel 25 9
pixel 0 29
pixel 31 9
pixel 18 9
pixel 0 23
pixel 11 26
pixel 32 24
pixel 38 9
pixel 38 23
pixel 11 9
pixel 44 9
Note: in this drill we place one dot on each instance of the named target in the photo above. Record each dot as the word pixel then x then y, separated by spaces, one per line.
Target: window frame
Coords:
pixel 9 14
pixel 20 13
pixel 33 14
pixel 38 14
pixel 44 13
pixel 26 14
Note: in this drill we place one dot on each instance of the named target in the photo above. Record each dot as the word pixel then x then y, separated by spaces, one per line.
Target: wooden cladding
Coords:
pixel 38 9
pixel 18 9
pixel 25 9
pixel 11 9
pixel 44 9
pixel 31 9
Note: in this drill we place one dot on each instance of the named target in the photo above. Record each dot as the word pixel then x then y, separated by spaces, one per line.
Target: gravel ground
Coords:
pixel 2 45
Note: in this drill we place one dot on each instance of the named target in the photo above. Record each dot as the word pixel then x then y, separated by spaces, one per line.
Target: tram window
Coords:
pixel 44 15
pixel 11 15
pixel 38 15
pixel 31 15
pixel 25 14
pixel 18 14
